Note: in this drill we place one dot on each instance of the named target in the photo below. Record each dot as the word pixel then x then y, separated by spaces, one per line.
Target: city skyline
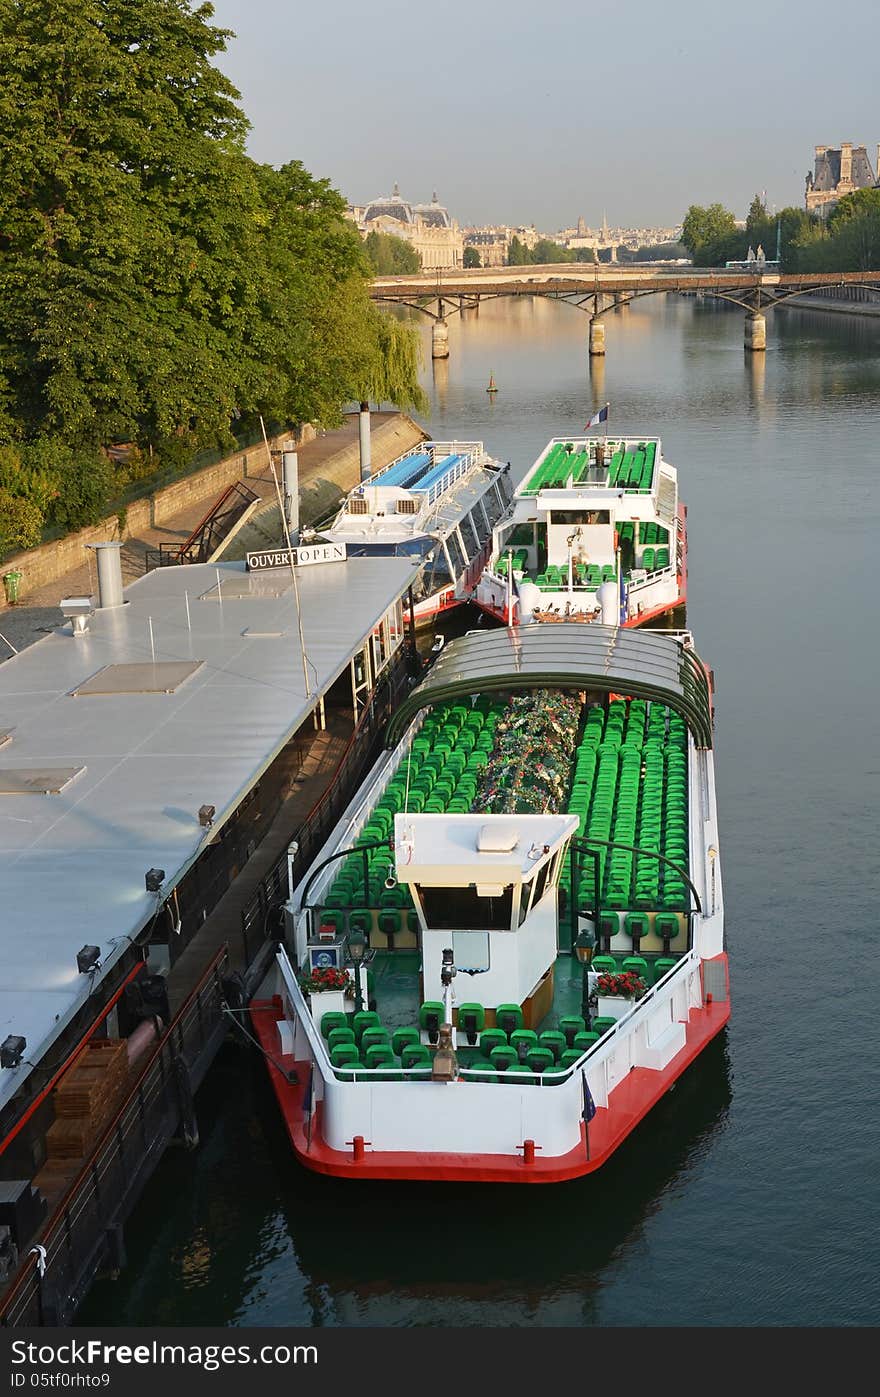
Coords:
pixel 516 120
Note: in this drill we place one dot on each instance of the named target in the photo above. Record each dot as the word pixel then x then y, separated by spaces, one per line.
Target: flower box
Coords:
pixel 614 1006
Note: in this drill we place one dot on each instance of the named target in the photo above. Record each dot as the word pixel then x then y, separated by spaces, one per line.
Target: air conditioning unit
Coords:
pixel 408 506
pixel 357 506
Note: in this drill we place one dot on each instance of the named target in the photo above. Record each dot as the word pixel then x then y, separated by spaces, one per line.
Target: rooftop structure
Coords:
pixel 433 233
pixel 178 699
pixel 839 171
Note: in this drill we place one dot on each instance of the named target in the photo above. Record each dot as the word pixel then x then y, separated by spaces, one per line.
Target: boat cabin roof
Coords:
pixel 456 850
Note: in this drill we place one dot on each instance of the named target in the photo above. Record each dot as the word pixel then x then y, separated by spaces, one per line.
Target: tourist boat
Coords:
pixel 511 945
pixel 438 505
pixel 595 531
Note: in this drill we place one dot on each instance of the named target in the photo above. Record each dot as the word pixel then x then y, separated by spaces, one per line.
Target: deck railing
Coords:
pixel 57 1270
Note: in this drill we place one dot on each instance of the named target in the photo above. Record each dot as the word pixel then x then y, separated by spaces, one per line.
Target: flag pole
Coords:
pixel 607 406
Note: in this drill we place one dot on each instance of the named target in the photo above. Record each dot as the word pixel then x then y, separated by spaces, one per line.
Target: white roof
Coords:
pixel 451 850
pixel 72 864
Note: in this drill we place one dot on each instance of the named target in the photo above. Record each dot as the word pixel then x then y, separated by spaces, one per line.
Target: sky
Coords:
pixel 517 112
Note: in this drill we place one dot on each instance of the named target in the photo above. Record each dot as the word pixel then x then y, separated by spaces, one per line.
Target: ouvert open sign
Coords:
pixel 302 556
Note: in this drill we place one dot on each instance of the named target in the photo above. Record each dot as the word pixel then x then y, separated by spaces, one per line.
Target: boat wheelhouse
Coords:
pixel 595 531
pixel 512 943
pixel 438 505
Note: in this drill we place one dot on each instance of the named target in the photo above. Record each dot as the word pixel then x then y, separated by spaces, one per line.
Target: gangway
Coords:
pixel 210 531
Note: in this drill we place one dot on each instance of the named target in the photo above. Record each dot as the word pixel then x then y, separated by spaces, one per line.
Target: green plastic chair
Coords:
pixel 539 1059
pixel 337 1036
pixel 523 1040
pixel 662 965
pixel 331 1020
pixel 637 964
pixel 570 1026
pixel 431 1016
pixel 492 1038
pixel 503 1058
pixel 346 1055
pixel 553 1040
pixel 520 1074
pixel 471 1018
pixel 416 1055
pixel 403 1038
pixel 380 1055
pixel 604 965
pixel 569 1058
pixel 584 1041
pixel 602 1025
pixel 509 1017
pixel 367 1018
pixel 372 1037
pixel 667 928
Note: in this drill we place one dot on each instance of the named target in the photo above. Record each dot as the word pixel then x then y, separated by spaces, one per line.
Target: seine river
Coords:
pixel 748 1197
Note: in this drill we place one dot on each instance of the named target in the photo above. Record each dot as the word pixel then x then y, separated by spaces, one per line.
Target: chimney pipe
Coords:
pixel 109 574
pixel 290 476
pixel 364 434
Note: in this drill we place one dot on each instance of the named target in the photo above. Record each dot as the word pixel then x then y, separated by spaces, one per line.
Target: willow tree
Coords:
pixel 395 365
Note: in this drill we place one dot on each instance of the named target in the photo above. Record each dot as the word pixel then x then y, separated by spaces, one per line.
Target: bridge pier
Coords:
pixel 755 332
pixel 597 335
pixel 440 339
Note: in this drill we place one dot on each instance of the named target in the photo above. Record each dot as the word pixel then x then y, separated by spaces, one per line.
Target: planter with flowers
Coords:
pixel 328 990
pixel 618 993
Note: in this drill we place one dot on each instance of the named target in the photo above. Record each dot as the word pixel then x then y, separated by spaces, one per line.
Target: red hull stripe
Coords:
pixel 630 1102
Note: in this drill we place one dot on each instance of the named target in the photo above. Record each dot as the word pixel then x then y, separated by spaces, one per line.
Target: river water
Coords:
pixel 747 1196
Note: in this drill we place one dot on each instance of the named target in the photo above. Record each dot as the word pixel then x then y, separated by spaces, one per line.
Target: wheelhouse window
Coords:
pixel 469 536
pixel 464 909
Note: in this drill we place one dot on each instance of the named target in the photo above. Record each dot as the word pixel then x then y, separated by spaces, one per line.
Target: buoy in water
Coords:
pixel 491 388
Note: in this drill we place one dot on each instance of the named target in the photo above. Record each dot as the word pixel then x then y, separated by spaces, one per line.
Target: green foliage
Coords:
pixel 394 369
pixel 518 254
pixel 390 256
pixel 545 250
pixel 20 521
pixel 471 257
pixel 709 233
pixel 848 242
pixel 155 283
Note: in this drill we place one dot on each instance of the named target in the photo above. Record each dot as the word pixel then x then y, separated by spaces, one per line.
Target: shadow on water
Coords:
pixel 238 1233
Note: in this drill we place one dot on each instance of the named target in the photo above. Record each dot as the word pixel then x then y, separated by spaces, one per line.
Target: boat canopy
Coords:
pixel 568 655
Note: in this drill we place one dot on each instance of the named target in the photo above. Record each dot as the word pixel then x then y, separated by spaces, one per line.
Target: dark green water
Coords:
pixel 750 1195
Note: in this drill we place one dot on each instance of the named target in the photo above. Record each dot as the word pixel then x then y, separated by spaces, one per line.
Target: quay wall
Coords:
pixel 49 562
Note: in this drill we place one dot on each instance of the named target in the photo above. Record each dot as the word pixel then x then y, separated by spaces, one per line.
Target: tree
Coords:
pixel 471 257
pixel 518 254
pixel 705 228
pixel 393 375
pixel 20 521
pixel 545 250
pixel 390 256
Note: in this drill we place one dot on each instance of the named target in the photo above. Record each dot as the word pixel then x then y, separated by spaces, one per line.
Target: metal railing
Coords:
pixel 56 1272
pixel 210 531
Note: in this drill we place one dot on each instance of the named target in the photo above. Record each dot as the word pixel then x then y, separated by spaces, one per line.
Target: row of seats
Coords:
pixel 653 559
pixel 649 532
pixel 560 462
pixel 629 785
pixel 633 470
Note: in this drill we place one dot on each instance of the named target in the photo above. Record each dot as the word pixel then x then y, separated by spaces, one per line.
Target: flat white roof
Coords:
pixel 442 850
pixel 72 864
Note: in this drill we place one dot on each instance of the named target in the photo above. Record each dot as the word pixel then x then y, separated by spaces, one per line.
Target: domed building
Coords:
pixel 435 236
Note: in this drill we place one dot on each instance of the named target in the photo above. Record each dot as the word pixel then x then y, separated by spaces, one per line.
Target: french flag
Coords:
pixel 598 417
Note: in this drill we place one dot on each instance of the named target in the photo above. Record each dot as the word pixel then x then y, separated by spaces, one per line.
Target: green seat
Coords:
pixel 602 1025
pixel 523 1040
pixel 636 924
pixel 490 1073
pixel 360 919
pixel 334 1019
pixel 416 1055
pixel 509 1017
pixel 371 1037
pixel 403 1038
pixel 471 1018
pixel 346 1055
pixel 604 965
pixel 380 1055
pixel 503 1057
pixel 569 1058
pixel 389 923
pixel 662 966
pixel 519 1073
pixel 431 1015
pixel 570 1026
pixel 539 1059
pixel 337 1036
pixel 363 1020
pixel 584 1041
pixel 492 1038
pixel 638 964
pixel 334 918
pixel 666 927
pixel 554 1040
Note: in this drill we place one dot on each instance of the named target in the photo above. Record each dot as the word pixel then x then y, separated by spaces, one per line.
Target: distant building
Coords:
pixel 491 243
pixel 428 227
pixel 839 170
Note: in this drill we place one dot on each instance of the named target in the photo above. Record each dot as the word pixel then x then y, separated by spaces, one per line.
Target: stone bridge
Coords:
pixel 596 289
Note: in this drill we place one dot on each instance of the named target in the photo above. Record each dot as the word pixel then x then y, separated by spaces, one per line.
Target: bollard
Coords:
pixel 597 336
pixel 440 340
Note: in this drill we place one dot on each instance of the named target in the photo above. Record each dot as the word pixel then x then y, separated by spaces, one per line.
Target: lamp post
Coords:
pixel 356 947
pixel 583 949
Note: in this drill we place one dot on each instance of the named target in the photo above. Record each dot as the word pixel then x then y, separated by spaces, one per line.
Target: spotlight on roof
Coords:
pixel 78 609
pixel 89 958
pixel 206 816
pixel 154 878
pixel 12 1050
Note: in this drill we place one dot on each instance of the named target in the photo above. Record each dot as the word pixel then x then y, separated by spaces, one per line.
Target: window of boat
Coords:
pixel 463 909
pixel 469 536
pixel 480 524
pixel 456 552
pixel 578 516
pixel 540 882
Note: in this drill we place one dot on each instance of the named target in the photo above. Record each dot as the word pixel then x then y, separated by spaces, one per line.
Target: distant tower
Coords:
pixel 395 193
pixel 582 227
pixel 604 227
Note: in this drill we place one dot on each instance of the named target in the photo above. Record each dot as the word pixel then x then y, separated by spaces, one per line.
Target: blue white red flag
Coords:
pixel 598 417
pixel 589 1104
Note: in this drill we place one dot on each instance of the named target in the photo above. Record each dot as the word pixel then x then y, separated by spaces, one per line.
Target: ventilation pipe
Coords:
pixel 109 574
pixel 364 435
pixel 290 477
pixel 609 602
